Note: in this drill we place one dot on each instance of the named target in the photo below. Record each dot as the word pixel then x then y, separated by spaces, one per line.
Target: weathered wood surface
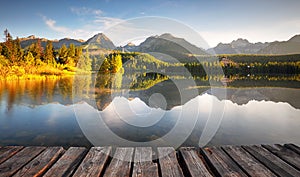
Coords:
pixel 249 164
pixel 66 165
pixel 293 147
pixel 8 151
pixel 286 154
pixel 143 165
pixel 121 163
pixel 94 161
pixel 251 160
pixel 195 166
pixel 39 165
pixel 13 164
pixel 274 163
pixel 221 163
pixel 169 165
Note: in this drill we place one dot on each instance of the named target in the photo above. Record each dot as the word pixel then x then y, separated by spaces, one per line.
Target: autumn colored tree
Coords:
pixel 63 54
pixel 49 54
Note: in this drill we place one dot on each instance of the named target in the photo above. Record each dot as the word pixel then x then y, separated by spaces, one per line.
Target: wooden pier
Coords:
pixel 254 160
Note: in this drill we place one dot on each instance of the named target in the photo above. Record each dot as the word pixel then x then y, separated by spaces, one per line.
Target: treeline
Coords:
pixel 34 59
pixel 252 58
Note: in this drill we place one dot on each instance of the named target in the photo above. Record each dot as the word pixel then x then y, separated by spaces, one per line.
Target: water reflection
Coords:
pixel 41 112
pixel 254 122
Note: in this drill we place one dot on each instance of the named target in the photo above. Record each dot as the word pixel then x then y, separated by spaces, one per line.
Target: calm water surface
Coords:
pixel 148 109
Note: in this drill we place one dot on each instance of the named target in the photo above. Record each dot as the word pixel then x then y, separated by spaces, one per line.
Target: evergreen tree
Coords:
pixel 49 54
pixel 63 54
pixel 29 59
pixel 78 54
pixel 17 50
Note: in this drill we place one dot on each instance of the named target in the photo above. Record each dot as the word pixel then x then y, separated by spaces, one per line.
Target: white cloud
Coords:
pixel 107 21
pixel 85 11
pixel 52 25
pixel 96 25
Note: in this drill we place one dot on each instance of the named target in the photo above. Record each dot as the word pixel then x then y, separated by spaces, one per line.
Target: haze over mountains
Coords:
pixel 177 47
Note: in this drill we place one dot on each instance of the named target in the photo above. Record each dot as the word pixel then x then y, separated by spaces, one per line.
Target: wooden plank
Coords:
pixel 39 165
pixel 143 165
pixel 12 165
pixel 66 165
pixel 168 162
pixel 121 163
pixel 94 161
pixel 194 164
pixel 286 154
pixel 293 147
pixel 247 162
pixel 221 163
pixel 8 151
pixel 274 163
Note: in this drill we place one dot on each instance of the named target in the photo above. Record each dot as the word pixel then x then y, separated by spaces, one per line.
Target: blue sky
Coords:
pixel 216 20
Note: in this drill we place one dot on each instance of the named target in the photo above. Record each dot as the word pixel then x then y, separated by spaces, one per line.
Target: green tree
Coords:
pixel 63 54
pixel 17 50
pixel 49 54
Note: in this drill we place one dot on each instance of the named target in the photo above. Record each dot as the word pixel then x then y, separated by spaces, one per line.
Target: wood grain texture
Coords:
pixel 39 165
pixel 293 147
pixel 94 161
pixel 143 165
pixel 274 163
pixel 169 165
pixel 286 154
pixel 247 162
pixel 13 164
pixel 195 165
pixel 120 165
pixel 8 151
pixel 67 164
pixel 221 163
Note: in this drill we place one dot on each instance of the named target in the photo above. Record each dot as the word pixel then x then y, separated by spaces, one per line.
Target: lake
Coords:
pixel 149 109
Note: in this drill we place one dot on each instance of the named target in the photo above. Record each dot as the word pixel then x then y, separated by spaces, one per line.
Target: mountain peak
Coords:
pixel 100 40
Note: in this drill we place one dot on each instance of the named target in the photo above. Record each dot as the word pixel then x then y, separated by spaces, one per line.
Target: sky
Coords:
pixel 215 20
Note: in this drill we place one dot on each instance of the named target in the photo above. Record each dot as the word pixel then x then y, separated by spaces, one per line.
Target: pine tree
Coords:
pixel 49 56
pixel 17 50
pixel 63 54
pixel 8 47
pixel 29 59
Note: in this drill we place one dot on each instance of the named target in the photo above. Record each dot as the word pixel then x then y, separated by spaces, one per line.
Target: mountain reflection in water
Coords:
pixel 41 112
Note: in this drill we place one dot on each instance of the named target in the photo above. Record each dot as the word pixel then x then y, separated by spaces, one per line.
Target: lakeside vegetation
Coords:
pixel 36 62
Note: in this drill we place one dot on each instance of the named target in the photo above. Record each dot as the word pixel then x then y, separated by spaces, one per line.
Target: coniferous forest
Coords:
pixel 36 61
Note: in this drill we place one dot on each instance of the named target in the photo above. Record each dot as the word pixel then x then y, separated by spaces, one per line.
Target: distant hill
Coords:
pixel 99 41
pixel 167 48
pixel 292 46
pixel 239 46
pixel 27 41
pixel 243 46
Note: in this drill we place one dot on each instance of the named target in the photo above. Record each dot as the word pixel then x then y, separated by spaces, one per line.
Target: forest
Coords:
pixel 35 61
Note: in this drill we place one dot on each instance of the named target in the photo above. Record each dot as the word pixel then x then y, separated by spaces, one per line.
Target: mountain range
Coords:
pixel 170 48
